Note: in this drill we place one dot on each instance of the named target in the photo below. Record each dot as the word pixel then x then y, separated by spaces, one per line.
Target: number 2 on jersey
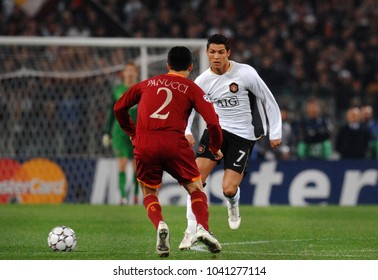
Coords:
pixel 168 99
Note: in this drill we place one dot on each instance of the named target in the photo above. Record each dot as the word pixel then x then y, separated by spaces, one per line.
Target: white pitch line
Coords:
pixel 199 248
pixel 298 254
pixel 286 240
pixel 202 248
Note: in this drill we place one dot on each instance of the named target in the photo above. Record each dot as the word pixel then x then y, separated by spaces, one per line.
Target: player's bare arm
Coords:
pixel 190 139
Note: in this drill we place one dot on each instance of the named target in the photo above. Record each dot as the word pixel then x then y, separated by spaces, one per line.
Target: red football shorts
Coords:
pixel 168 151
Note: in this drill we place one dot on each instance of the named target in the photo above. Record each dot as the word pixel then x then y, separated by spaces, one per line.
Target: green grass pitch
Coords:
pixel 107 232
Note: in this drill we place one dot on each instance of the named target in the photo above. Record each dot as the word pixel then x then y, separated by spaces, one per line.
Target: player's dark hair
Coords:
pixel 218 39
pixel 179 58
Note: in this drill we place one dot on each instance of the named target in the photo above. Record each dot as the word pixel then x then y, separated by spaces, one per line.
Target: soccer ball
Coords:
pixel 62 238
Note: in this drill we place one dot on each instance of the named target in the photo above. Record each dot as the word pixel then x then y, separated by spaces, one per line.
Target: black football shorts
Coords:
pixel 236 150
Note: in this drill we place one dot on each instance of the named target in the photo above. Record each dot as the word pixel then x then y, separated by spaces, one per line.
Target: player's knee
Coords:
pixel 229 191
pixel 122 163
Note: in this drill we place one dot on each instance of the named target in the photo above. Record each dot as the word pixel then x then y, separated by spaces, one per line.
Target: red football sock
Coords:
pixel 152 205
pixel 200 208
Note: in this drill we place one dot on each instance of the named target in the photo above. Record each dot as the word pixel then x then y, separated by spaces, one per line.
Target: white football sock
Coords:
pixel 192 222
pixel 235 199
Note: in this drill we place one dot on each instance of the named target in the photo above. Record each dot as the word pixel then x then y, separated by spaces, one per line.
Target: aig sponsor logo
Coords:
pixel 38 180
pixel 228 102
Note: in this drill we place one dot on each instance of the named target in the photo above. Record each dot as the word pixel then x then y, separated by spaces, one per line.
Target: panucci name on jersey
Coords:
pixel 169 84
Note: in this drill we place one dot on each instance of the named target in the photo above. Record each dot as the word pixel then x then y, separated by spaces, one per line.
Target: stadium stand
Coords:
pixel 301 48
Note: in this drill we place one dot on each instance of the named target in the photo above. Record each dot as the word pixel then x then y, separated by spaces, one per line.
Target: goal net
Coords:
pixel 54 98
pixel 54 92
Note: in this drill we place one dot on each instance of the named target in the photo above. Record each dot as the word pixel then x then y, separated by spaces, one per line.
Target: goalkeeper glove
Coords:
pixel 106 140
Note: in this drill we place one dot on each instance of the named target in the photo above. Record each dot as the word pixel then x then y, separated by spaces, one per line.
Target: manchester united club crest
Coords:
pixel 234 87
pixel 201 149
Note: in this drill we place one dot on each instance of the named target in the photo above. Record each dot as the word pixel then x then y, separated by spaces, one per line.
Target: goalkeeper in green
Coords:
pixel 115 136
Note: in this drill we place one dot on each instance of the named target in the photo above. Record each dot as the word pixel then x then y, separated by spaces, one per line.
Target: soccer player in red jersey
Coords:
pixel 164 105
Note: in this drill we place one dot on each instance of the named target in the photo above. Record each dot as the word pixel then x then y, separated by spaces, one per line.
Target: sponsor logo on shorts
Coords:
pixel 37 180
pixel 201 149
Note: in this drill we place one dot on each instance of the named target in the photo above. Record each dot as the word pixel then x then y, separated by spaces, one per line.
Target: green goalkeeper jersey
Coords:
pixel 120 140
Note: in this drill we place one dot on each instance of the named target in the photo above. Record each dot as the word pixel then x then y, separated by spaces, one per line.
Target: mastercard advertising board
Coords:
pixel 38 180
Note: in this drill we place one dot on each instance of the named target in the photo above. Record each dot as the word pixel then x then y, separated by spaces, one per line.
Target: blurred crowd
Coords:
pixel 314 55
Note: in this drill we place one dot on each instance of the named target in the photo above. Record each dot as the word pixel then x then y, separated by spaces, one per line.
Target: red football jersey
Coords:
pixel 164 104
